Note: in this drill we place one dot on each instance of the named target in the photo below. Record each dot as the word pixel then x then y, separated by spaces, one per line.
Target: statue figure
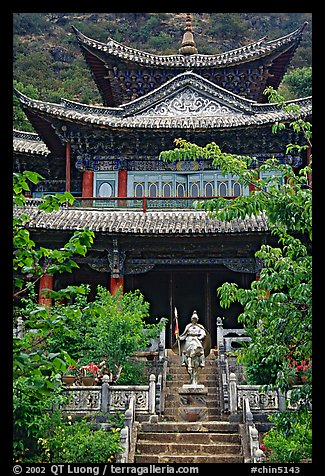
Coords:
pixel 194 346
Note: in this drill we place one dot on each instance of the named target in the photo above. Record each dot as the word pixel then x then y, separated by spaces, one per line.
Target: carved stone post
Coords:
pixel 104 406
pixel 152 394
pixel 124 438
pixel 19 331
pixel 128 418
pixel 219 331
pixel 232 393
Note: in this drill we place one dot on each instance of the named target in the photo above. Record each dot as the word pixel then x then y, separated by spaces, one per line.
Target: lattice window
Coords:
pixel 223 189
pixel 180 190
pixel 208 189
pixel 237 189
pixel 105 184
pixel 167 189
pixel 194 190
pixel 105 190
pixel 153 189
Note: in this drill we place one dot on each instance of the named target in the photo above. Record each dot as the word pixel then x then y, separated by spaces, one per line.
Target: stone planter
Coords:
pixel 88 381
pixel 68 380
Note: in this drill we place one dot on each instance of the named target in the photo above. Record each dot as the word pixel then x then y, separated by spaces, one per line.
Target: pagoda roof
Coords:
pixel 105 58
pixel 29 143
pixel 166 222
pixel 186 102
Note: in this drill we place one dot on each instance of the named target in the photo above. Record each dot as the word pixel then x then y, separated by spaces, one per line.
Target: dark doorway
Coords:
pixel 188 289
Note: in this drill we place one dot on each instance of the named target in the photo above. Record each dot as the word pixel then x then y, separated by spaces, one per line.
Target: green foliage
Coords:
pixel 111 328
pixel 20 121
pixel 290 439
pixel 277 309
pixel 27 22
pixel 297 83
pixel 43 435
pixel 33 363
pixel 29 261
pixel 64 440
pixel 134 373
pixel 28 413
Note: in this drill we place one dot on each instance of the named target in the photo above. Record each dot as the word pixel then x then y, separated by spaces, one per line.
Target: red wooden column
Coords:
pixel 46 282
pixel 122 187
pixel 116 284
pixel 87 183
pixel 67 166
pixel 252 187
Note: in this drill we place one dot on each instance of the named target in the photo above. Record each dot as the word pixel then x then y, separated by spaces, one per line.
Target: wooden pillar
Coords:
pixel 252 187
pixel 122 190
pixel 46 282
pixel 87 183
pixel 67 166
pixel 116 284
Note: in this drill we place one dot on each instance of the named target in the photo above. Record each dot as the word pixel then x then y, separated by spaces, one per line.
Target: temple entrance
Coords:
pixel 187 289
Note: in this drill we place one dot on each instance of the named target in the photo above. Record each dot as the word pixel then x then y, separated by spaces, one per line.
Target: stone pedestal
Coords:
pixel 193 403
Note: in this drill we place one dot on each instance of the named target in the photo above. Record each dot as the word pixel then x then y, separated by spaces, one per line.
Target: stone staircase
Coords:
pixel 177 376
pixel 214 440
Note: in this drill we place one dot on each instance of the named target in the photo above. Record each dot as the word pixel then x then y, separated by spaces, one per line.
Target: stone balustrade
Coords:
pixel 111 398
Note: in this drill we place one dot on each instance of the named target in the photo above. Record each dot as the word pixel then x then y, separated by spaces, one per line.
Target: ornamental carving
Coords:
pixel 191 102
pixel 258 400
pixel 119 399
pixel 84 400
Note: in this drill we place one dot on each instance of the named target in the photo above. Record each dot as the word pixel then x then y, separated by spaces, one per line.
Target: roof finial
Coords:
pixel 188 46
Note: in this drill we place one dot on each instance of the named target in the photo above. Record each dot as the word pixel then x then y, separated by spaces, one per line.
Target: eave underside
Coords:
pixel 121 81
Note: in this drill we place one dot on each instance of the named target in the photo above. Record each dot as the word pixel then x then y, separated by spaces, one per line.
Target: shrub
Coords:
pixel 290 439
pixel 66 441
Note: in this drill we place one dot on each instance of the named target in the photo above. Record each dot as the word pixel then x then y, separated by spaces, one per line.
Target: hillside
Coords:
pixel 48 62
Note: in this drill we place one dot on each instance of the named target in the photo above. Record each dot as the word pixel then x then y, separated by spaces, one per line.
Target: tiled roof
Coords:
pixel 29 143
pixel 258 49
pixel 212 107
pixel 171 222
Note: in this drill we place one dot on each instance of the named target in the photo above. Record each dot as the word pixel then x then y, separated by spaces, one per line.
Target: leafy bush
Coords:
pixel 66 441
pixel 111 328
pixel 29 412
pixel 260 373
pixel 290 439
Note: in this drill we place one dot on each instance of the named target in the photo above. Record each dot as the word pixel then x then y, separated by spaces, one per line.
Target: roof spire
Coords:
pixel 188 46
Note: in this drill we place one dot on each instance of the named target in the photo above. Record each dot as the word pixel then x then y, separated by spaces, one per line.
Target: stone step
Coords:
pixel 213 403
pixel 212 414
pixel 172 409
pixel 158 448
pixel 199 437
pixel 178 373
pixel 210 399
pixel 185 459
pixel 174 387
pixel 191 427
pixel 209 366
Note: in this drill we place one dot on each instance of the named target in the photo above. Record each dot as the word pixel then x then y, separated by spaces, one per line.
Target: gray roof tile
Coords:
pixel 173 222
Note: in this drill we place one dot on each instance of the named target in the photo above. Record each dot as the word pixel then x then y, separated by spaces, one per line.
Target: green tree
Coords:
pixel 277 308
pixel 31 361
pixel 297 83
pixel 111 328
